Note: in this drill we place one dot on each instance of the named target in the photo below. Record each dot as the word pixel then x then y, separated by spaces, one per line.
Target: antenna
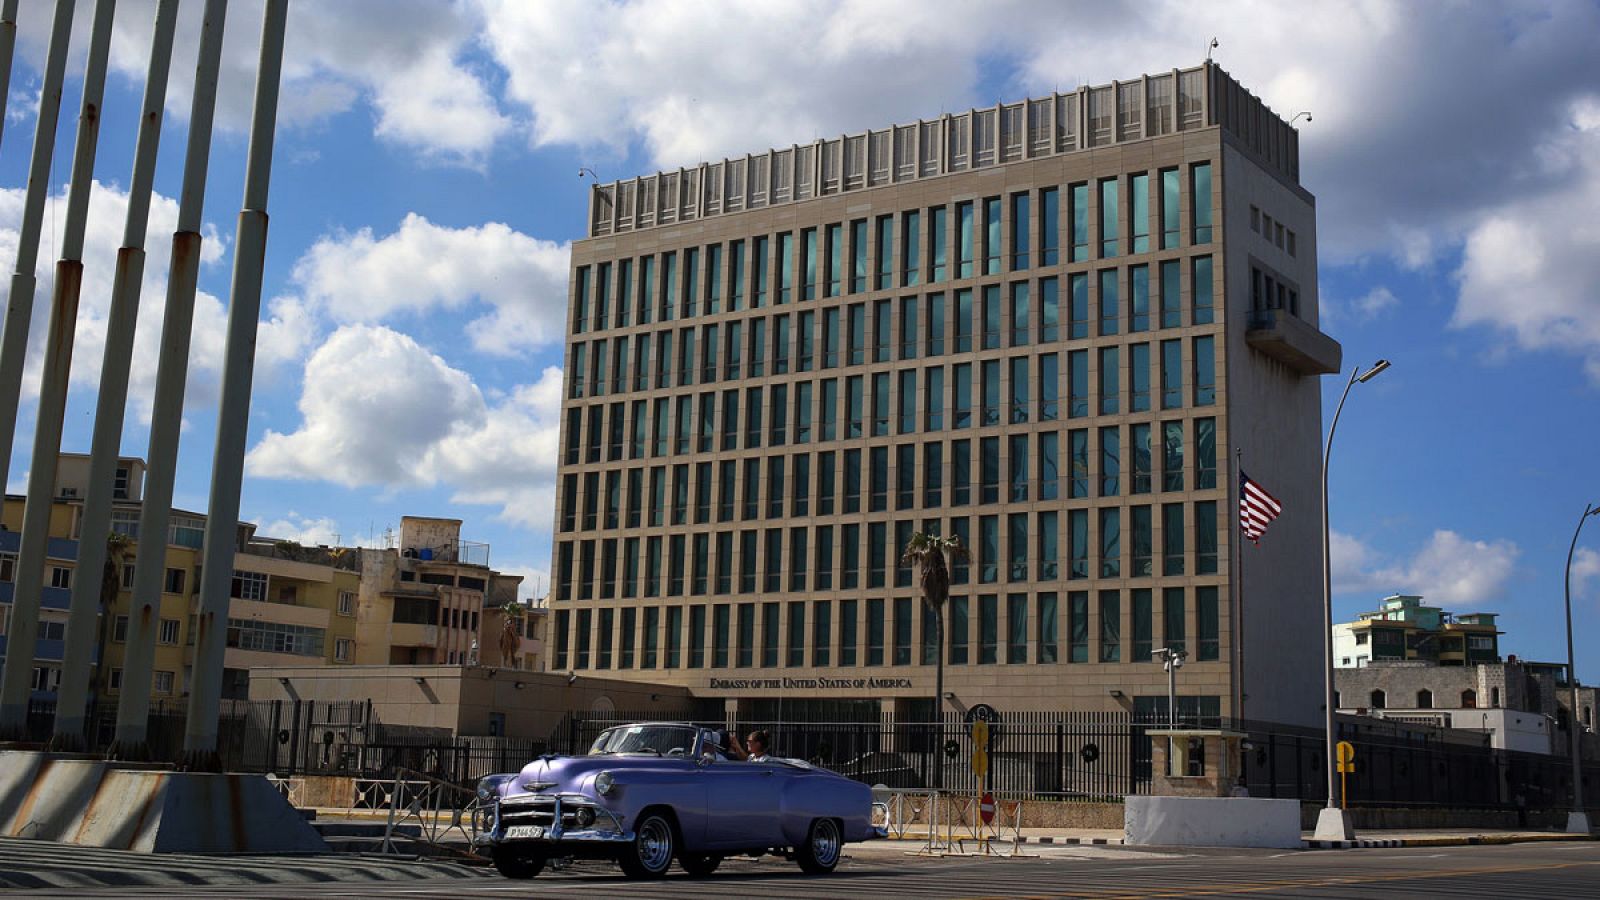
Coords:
pixel 1210 47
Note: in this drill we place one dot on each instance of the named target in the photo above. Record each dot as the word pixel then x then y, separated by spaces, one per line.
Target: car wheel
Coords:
pixel 517 865
pixel 819 855
pixel 699 864
pixel 652 850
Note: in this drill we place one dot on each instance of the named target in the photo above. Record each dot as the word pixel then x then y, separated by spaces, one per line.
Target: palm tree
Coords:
pixel 929 553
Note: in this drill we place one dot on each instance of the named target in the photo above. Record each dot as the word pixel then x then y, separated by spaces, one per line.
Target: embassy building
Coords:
pixel 1041 327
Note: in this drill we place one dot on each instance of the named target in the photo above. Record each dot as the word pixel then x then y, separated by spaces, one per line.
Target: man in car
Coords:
pixel 757 742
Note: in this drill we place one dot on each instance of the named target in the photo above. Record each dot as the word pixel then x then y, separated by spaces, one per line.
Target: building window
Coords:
pixel 169 632
pixel 343 649
pixel 347 603
pixel 988 629
pixel 1110 626
pixel 173 583
pixel 60 577
pixel 249 585
pixel 1200 201
pixel 119 629
pixel 1108 218
pixel 1469 699
pixel 1376 700
pixel 1424 699
pixel 164 682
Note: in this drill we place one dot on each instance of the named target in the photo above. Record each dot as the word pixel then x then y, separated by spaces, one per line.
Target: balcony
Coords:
pixel 1295 343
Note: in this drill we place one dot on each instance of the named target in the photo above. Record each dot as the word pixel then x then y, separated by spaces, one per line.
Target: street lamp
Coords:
pixel 1333 823
pixel 1578 819
pixel 1171 660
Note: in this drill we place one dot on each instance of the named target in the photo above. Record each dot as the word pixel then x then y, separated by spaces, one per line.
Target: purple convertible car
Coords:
pixel 647 794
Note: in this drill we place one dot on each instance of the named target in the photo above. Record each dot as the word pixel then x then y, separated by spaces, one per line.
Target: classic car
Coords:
pixel 647 794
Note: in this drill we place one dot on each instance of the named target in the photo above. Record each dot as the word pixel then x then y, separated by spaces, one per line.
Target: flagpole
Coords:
pixel 1237 543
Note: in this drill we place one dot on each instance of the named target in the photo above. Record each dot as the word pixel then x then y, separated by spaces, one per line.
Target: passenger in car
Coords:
pixel 758 742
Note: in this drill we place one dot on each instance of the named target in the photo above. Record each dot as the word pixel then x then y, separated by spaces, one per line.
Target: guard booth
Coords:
pixel 1194 762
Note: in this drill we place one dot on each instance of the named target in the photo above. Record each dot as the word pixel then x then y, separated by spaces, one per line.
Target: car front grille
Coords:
pixel 537 811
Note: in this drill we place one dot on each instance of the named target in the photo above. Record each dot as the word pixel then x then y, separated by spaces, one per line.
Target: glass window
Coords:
pixel 849 638
pixel 902 631
pixel 798 560
pixel 802 412
pixel 1205 602
pixel 991 317
pixel 1078 626
pixel 911 248
pixel 850 538
pixel 647 289
pixel 935 325
pixel 962 395
pixel 956 625
pixel 714 278
pixel 1017 544
pixel 1078 447
pixel 1139 212
pixel 1140 526
pixel 825 483
pixel 1171 295
pixel 824 558
pixel 1200 201
pixel 875 614
pixel 1169 209
pixel 669 286
pixel 1016 629
pixel 988 629
pixel 963 320
pixel 822 633
pixel 1143 626
pixel 961 474
pixel 882 334
pixel 1049 227
pixel 830 338
pixel 835 260
pixel 1200 287
pixel 1110 390
pixel 1139 436
pixel 908 328
pixel 1110 542
pixel 763 277
pixel 908 401
pixel 1110 626
pixel 988 549
pixel 1172 634
pixel 1110 302
pixel 1019 390
pixel 1045 643
pixel 736 275
pixel 1139 378
pixel 885 278
pixel 989 470
pixel 990 412
pixel 939 235
pixel 991 240
pixel 772 582
pixel 697 635
pixel 1172 539
pixel 785 267
pixel 746 651
pixel 1019 314
pixel 858 256
pixel 932 475
pixel 719 636
pixel 1205 372
pixel 1078 305
pixel 1205 537
pixel 769 635
pixel 1021 238
pixel 1049 388
pixel 1139 288
pixel 880 404
pixel 1205 443
pixel 1108 218
pixel 1171 374
pixel 1080 222
pixel 1172 456
pixel 964 239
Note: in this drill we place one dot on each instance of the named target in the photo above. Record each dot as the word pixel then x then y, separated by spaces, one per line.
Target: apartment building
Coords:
pixel 1405 628
pixel 1040 327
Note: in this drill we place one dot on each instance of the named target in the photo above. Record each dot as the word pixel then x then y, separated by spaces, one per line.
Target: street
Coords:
pixel 1535 870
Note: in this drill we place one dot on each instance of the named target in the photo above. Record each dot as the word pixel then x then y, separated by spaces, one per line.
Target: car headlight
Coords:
pixel 603 783
pixel 489 786
pixel 584 816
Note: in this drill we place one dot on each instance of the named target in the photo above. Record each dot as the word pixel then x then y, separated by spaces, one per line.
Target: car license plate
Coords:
pixel 520 832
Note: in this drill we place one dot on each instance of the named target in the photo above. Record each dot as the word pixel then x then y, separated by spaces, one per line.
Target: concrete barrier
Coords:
pixel 1212 822
pixel 90 802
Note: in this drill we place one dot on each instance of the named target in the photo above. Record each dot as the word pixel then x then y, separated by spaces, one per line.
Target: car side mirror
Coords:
pixel 705 759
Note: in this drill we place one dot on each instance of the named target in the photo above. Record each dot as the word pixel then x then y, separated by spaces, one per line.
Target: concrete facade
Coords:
pixel 460 700
pixel 1056 374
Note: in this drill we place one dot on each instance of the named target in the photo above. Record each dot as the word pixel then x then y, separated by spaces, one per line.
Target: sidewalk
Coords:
pixel 1371 838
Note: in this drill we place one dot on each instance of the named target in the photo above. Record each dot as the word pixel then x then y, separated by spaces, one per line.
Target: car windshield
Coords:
pixel 658 740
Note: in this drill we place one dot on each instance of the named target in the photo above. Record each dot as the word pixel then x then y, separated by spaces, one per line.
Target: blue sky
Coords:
pixel 425 189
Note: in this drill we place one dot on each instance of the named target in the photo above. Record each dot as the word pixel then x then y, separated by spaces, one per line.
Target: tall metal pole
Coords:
pixel 19 303
pixel 233 418
pixel 16 680
pixel 8 44
pixel 1578 819
pixel 166 418
pixel 113 396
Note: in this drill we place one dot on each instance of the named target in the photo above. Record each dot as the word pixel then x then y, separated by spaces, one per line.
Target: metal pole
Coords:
pixel 1327 599
pixel 166 418
pixel 1236 541
pixel 16 681
pixel 1172 688
pixel 233 418
pixel 19 304
pixel 8 43
pixel 1578 819
pixel 113 395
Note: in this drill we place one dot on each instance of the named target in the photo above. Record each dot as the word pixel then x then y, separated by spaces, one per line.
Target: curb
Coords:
pixel 1470 841
pixel 1057 841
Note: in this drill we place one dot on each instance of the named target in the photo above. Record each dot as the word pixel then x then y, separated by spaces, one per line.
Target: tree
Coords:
pixel 118 546
pixel 929 553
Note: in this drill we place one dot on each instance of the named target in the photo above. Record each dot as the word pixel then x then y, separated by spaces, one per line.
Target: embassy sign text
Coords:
pixel 808 684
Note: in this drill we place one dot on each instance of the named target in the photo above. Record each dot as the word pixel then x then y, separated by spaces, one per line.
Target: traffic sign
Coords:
pixel 980 734
pixel 1346 754
pixel 986 807
pixel 980 763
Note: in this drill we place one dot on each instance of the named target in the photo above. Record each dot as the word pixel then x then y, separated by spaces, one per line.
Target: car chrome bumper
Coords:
pixel 606 828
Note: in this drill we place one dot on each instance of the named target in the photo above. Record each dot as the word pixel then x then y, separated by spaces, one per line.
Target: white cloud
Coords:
pixel 1365 308
pixel 410 59
pixel 1585 567
pixel 1449 570
pixel 359 277
pixel 1530 268
pixel 108 206
pixel 379 409
pixel 535 580
pixel 310 532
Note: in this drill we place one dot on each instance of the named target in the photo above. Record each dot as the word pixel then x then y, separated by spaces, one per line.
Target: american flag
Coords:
pixel 1257 508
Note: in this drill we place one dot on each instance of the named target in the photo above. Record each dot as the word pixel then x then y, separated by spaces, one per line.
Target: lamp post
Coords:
pixel 1171 660
pixel 1578 819
pixel 1333 823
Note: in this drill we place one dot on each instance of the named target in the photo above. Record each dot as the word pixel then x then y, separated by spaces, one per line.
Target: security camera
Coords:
pixel 1177 663
pixel 572 678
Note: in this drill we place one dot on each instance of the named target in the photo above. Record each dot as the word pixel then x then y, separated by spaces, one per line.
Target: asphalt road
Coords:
pixel 880 871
